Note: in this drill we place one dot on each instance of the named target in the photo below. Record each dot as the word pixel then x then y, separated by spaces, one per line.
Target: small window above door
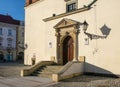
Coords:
pixel 71 5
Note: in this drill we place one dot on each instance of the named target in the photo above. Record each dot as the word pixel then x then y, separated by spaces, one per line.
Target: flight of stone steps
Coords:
pixel 47 71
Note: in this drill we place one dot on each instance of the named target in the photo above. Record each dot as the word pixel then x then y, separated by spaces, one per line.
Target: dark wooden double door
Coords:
pixel 68 49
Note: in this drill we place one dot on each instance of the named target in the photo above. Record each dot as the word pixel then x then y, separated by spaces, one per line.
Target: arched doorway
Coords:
pixel 68 49
pixel 21 56
pixel 67 31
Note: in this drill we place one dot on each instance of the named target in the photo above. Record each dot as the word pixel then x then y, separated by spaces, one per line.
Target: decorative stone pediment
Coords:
pixel 65 23
pixel 66 0
pixel 66 29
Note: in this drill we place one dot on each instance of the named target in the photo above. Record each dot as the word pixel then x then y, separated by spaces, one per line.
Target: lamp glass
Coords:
pixel 85 25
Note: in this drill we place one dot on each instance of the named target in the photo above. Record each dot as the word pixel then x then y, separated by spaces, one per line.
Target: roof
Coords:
pixel 28 2
pixel 8 19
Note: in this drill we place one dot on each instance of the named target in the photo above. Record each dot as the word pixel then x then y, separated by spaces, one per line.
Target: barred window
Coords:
pixel 71 7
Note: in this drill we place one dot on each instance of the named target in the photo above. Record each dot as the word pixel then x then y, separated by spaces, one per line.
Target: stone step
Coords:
pixel 51 69
pixel 47 71
pixel 43 74
pixel 47 75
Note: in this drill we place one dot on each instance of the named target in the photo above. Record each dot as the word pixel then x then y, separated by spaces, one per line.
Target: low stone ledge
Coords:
pixel 70 70
pixel 26 72
pixel 57 77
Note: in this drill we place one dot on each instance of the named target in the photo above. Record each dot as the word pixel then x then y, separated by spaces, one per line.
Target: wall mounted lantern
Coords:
pixel 25 46
pixel 94 36
pixel 22 46
pixel 85 26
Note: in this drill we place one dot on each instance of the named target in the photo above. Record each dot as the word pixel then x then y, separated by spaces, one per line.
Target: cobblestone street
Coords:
pixel 11 69
pixel 10 77
pixel 88 81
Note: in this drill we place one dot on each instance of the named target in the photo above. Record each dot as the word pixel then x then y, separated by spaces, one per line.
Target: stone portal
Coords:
pixel 67 31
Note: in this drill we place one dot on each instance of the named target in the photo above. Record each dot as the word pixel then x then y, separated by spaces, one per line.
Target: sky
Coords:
pixel 14 8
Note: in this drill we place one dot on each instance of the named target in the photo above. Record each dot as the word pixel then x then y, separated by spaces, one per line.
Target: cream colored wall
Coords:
pixel 34 34
pixel 106 59
pixel 111 45
pixel 39 33
pixel 35 29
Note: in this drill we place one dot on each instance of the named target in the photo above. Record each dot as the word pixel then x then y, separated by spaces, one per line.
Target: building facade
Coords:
pixel 20 42
pixel 9 29
pixel 68 30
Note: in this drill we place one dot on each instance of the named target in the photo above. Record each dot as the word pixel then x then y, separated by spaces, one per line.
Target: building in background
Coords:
pixel 20 41
pixel 9 36
pixel 69 30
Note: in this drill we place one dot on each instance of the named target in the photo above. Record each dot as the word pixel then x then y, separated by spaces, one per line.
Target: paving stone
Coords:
pixel 88 81
pixel 11 69
pixel 3 85
pixel 24 81
pixel 9 77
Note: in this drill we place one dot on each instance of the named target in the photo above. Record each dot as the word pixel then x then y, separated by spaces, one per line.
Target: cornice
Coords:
pixel 85 8
pixel 33 3
pixel 66 0
pixel 66 14
pixel 8 25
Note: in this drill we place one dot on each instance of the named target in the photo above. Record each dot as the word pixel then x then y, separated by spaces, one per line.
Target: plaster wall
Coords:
pixel 102 55
pixel 5 28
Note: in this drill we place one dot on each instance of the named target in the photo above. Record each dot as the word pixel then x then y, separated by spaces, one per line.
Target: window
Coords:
pixel 71 7
pixel 22 23
pixel 22 34
pixel 9 43
pixel 9 32
pixel 1 31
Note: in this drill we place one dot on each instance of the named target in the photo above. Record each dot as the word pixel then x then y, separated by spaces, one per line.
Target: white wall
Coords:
pixel 5 27
pixel 5 36
pixel 39 33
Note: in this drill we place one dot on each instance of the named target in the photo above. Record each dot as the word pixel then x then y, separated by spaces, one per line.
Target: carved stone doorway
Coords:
pixel 67 31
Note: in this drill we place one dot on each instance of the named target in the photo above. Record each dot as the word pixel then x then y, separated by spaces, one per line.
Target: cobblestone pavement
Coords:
pixel 88 81
pixel 80 81
pixel 30 81
pixel 11 69
pixel 10 77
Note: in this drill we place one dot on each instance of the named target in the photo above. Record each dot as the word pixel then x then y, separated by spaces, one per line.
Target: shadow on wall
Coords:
pixel 105 30
pixel 95 74
pixel 98 71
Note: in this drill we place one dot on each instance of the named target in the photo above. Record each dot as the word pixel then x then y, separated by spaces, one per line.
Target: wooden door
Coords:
pixel 68 49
